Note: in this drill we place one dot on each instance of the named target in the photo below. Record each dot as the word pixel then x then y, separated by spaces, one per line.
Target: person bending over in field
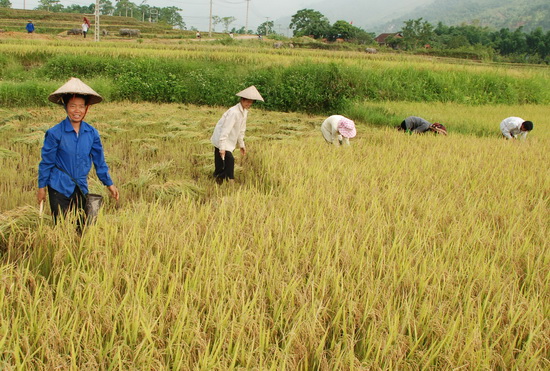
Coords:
pixel 515 127
pixel 69 149
pixel 229 132
pixel 414 124
pixel 338 130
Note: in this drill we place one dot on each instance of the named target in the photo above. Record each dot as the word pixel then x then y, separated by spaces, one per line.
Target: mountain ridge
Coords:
pixel 388 16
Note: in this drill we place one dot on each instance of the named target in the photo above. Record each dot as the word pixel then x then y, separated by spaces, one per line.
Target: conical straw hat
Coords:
pixel 75 86
pixel 250 93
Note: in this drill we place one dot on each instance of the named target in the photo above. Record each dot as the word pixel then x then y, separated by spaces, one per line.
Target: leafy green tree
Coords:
pixel 395 42
pixel 241 31
pixel 417 33
pixel 171 16
pixel 507 42
pixel 536 43
pixel 106 7
pixel 215 21
pixel 143 11
pixel 226 21
pixel 309 22
pixel 348 32
pixel 80 9
pixel 49 5
pixel 5 4
pixel 266 28
pixel 121 8
pixel 342 30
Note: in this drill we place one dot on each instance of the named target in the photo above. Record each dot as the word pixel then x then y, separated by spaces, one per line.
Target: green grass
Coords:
pixel 302 81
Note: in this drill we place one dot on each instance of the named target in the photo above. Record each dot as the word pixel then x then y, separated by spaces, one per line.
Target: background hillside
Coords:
pixel 59 23
pixel 367 13
pixel 495 14
pixel 388 16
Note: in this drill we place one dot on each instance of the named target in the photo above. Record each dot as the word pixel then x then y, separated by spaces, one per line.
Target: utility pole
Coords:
pixel 246 24
pixel 210 23
pixel 96 34
pixel 266 26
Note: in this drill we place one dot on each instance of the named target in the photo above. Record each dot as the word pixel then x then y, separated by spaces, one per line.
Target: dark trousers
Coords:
pixel 61 204
pixel 224 169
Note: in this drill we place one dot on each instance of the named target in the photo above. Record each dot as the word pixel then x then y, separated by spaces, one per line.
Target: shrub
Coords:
pixel 306 87
pixel 25 93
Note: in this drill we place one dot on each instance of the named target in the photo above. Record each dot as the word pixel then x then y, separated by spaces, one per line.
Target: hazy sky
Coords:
pixel 196 13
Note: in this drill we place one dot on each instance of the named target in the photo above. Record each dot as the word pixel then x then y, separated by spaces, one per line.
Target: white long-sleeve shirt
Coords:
pixel 230 129
pixel 510 127
pixel 329 128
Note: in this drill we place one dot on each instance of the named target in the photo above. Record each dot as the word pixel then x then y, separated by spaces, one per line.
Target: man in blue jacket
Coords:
pixel 69 150
pixel 30 27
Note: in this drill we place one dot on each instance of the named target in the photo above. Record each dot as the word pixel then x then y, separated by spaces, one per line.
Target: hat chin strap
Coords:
pixel 85 113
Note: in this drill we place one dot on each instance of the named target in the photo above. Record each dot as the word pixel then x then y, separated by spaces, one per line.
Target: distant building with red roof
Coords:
pixel 381 39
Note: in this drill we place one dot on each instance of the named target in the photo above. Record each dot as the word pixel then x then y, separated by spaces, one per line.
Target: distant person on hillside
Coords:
pixel 338 130
pixel 515 127
pixel 30 27
pixel 415 124
pixel 229 132
pixel 85 26
pixel 198 35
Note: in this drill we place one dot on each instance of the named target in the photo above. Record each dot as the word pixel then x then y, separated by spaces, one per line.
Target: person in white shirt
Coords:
pixel 515 127
pixel 85 26
pixel 338 130
pixel 229 132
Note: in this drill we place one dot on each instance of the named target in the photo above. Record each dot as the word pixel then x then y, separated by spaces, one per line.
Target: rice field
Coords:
pixel 399 252
pixel 253 53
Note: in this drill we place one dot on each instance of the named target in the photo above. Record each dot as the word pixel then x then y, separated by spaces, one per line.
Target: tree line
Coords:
pixel 418 34
pixel 516 45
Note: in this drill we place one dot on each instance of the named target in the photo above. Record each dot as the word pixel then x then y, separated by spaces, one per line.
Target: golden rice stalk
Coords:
pixel 32 138
pixel 173 189
pixel 140 182
pixel 7 127
pixel 15 220
pixel 161 167
pixel 6 153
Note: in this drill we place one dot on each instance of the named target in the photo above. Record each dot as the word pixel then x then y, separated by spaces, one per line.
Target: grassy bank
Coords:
pixel 301 81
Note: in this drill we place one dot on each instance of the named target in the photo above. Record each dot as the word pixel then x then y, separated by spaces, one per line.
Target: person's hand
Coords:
pixel 243 151
pixel 222 154
pixel 41 195
pixel 114 191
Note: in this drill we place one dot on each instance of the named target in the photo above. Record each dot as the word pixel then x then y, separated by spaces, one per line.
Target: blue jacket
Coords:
pixel 64 149
pixel 30 27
